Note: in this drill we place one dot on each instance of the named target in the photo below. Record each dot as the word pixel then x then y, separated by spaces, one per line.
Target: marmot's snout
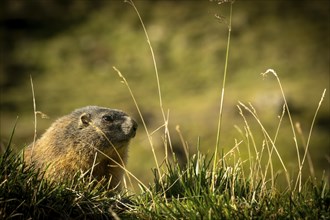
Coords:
pixel 129 126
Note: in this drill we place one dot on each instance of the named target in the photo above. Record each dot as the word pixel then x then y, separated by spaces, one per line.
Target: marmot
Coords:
pixel 90 138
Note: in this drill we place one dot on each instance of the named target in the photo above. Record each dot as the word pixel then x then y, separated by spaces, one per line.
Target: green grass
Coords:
pixel 180 193
pixel 24 194
pixel 188 193
pixel 219 185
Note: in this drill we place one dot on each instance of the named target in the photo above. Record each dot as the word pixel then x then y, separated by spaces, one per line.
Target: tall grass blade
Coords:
pixel 222 92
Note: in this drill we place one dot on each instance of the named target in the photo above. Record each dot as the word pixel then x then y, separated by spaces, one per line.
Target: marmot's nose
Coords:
pixel 134 127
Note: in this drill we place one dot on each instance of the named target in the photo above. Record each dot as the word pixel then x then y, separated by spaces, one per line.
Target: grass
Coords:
pixel 187 192
pixel 221 185
pixel 24 194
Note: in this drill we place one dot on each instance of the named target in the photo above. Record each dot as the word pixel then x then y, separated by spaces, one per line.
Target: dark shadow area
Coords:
pixel 36 19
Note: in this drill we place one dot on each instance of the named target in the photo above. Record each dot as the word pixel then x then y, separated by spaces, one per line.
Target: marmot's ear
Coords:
pixel 85 119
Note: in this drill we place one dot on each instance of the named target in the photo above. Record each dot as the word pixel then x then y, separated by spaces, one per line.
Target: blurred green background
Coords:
pixel 69 48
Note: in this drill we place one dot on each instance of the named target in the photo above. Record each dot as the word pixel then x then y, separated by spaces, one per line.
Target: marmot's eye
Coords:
pixel 108 118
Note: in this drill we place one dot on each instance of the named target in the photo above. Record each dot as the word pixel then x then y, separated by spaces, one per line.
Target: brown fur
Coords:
pixel 75 141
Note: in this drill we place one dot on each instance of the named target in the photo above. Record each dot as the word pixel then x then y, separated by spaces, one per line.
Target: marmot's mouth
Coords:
pixel 133 133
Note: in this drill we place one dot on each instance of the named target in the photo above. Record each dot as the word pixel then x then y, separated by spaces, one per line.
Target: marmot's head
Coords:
pixel 110 125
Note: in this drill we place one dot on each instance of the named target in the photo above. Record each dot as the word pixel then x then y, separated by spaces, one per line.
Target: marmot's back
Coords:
pixel 88 136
